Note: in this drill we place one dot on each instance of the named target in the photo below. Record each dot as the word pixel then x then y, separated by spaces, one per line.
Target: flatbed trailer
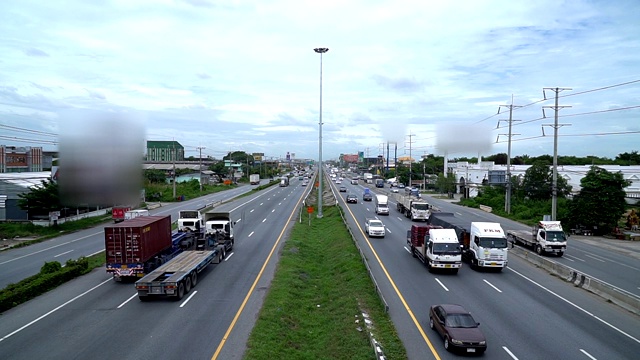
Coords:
pixel 178 276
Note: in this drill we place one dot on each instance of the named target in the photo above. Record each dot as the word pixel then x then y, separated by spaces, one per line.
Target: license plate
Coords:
pixel 471 350
pixel 447 266
pixel 125 272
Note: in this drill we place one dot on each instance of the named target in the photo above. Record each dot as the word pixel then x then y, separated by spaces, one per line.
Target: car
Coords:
pixel 374 227
pixel 304 183
pixel 351 198
pixel 401 186
pixel 458 329
pixel 367 196
pixel 343 188
pixel 354 182
pixel 394 190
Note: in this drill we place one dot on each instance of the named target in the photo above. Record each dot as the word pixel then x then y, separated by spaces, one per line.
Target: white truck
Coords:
pixel 374 227
pixel 413 207
pixel 484 244
pixel 547 237
pixel 436 247
pixel 382 204
pixel 219 223
pixel 254 179
pixel 368 178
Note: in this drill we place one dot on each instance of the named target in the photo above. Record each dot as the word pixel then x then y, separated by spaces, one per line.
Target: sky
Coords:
pixel 426 77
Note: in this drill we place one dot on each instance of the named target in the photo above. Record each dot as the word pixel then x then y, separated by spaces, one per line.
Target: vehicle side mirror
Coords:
pixel 477 324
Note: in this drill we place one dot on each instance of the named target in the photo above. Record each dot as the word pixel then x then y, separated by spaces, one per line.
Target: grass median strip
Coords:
pixel 321 287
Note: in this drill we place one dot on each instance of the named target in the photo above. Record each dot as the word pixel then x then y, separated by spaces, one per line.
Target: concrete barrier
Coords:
pixel 605 290
pixel 486 208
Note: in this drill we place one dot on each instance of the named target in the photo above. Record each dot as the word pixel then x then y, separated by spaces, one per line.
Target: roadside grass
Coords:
pixel 320 288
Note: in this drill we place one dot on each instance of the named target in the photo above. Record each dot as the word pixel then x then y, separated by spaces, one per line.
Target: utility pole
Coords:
pixel 200 165
pixel 174 168
pixel 410 158
pixel 556 126
pixel 507 198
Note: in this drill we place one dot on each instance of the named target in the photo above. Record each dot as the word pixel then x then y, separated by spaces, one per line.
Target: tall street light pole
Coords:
pixel 320 51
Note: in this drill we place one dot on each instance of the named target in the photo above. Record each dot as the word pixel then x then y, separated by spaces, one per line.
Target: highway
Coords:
pixel 94 317
pixel 524 312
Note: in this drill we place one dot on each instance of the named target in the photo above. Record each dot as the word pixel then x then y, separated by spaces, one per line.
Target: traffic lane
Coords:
pixel 413 337
pixel 125 299
pixel 617 269
pixel 506 331
pixel 384 246
pixel 19 263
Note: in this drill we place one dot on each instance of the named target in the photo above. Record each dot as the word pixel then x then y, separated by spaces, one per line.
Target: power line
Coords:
pixel 28 130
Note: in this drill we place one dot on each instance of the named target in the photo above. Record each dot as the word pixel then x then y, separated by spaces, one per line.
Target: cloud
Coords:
pixel 35 52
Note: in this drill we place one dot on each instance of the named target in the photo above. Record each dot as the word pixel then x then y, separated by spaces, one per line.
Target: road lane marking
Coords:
pixel 251 210
pixel 228 256
pixel 251 234
pixel 589 355
pixel 273 210
pixel 490 284
pixel 189 298
pixel 441 284
pixel 126 301
pixel 265 219
pixel 261 204
pixel 510 353
pixel 54 310
pixel 577 307
pixel 66 252
pixel 577 258
pixel 49 248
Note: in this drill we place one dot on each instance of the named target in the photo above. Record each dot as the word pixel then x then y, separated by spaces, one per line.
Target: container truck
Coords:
pixel 379 183
pixel 484 244
pixel 547 237
pixel 413 207
pixel 254 179
pixel 284 181
pixel 135 247
pixel 436 247
pixel 117 213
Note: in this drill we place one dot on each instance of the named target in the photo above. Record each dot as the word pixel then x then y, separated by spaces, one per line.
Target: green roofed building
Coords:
pixel 164 151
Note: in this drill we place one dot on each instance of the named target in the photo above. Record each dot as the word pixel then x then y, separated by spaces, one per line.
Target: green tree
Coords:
pixel 601 201
pixel 41 199
pixel 538 182
pixel 155 176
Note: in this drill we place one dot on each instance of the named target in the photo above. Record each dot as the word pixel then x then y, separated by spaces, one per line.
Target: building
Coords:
pixel 14 159
pixel 472 175
pixel 164 151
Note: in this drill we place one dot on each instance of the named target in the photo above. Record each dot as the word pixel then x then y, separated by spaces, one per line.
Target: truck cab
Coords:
pixel 550 238
pixel 443 250
pixel 486 246
pixel 190 221
pixel 382 205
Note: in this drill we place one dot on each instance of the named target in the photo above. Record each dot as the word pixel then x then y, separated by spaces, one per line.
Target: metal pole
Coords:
pixel 554 186
pixel 200 165
pixel 320 51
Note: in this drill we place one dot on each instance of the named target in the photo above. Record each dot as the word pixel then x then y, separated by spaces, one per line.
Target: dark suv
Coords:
pixel 367 197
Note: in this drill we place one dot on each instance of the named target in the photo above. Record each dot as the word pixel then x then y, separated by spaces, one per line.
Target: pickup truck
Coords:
pixel 374 227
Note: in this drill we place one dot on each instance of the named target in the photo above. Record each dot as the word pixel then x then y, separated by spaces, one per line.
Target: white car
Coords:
pixel 394 190
pixel 374 227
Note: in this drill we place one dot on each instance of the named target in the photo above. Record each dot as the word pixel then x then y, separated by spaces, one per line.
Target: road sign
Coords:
pixel 310 210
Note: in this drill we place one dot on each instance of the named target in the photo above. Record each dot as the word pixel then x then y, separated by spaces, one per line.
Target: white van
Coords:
pixel 382 205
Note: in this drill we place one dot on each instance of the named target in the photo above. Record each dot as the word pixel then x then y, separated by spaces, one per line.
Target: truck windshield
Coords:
pixel 446 249
pixel 556 236
pixel 188 214
pixel 494 243
pixel 421 206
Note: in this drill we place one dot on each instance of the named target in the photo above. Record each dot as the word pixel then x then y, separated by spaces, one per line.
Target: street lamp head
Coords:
pixel 321 50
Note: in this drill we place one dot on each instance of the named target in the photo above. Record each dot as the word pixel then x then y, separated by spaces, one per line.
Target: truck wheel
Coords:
pixel 539 250
pixel 560 253
pixel 223 254
pixel 413 251
pixel 143 298
pixel 194 279
pixel 454 271
pixel 187 284
pixel 180 291
pixel 429 268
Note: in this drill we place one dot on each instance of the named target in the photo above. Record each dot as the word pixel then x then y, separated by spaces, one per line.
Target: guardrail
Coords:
pixel 596 286
pixel 486 208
